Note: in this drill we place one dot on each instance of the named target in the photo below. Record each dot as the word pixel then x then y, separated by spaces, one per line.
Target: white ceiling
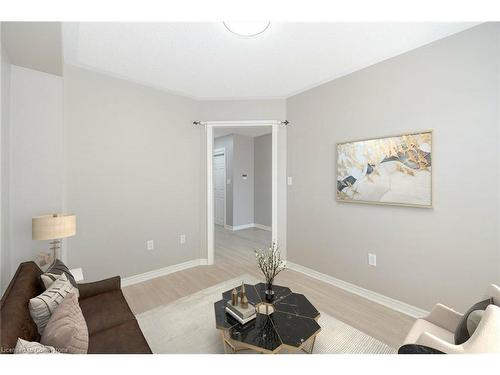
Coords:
pixel 243 130
pixel 206 61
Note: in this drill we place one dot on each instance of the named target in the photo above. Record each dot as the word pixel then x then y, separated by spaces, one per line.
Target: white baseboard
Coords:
pixel 203 262
pixel 263 227
pixel 131 280
pixel 246 226
pixel 365 293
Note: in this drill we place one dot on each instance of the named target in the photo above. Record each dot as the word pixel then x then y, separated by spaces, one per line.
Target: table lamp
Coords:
pixel 53 227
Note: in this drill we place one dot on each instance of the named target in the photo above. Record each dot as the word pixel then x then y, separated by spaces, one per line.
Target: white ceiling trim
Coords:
pixel 130 80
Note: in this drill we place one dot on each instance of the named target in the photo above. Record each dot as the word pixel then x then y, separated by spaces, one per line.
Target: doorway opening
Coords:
pixel 242 183
pixel 244 209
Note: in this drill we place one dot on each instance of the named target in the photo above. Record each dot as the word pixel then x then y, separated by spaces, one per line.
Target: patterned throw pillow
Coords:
pixel 67 329
pixel 57 268
pixel 49 278
pixel 33 347
pixel 43 306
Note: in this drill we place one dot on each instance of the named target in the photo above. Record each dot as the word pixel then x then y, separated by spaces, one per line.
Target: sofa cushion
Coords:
pixel 123 339
pixel 422 326
pixel 105 311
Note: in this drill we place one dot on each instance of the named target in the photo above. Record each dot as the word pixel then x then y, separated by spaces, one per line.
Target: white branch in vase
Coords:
pixel 270 262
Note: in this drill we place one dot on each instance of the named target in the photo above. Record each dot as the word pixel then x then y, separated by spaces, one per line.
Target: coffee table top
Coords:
pixel 292 323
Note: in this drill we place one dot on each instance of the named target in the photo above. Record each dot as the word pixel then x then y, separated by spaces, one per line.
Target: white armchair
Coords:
pixel 437 330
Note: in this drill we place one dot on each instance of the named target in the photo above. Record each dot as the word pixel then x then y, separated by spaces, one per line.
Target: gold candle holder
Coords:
pixel 234 297
pixel 244 302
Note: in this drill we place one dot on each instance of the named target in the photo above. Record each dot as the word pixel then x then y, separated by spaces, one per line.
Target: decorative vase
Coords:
pixel 270 263
pixel 269 290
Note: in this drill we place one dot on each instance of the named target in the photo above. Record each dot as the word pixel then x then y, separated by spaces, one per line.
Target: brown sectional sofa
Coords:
pixel 112 325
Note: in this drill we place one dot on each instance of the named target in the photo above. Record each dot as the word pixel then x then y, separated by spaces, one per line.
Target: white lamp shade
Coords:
pixel 53 227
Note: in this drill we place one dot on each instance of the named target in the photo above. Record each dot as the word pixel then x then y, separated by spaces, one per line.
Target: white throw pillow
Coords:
pixel 43 306
pixel 33 347
pixel 49 278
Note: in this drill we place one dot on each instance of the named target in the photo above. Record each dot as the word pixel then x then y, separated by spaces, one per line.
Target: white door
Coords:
pixel 219 187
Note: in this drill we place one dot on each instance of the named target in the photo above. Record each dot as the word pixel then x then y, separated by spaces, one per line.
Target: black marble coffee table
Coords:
pixel 292 325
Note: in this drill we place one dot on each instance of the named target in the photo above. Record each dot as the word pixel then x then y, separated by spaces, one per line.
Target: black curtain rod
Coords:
pixel 284 122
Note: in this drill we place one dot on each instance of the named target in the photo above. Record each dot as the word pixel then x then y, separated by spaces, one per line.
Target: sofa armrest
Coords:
pixel 434 342
pixel 98 287
pixel 486 337
pixel 444 317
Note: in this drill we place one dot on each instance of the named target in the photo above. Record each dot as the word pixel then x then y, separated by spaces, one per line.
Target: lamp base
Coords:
pixel 54 248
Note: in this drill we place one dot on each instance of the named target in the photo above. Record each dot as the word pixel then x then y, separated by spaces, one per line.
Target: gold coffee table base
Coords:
pixel 232 346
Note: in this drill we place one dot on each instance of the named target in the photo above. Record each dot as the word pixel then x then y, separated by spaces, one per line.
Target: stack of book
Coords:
pixel 241 314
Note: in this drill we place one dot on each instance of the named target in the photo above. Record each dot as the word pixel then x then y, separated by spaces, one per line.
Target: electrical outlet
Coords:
pixel 150 245
pixel 372 260
pixel 182 239
pixel 289 181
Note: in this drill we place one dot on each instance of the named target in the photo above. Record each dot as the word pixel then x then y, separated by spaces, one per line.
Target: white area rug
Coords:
pixel 187 325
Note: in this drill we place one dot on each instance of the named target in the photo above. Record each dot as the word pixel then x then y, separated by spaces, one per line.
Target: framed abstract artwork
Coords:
pixel 394 170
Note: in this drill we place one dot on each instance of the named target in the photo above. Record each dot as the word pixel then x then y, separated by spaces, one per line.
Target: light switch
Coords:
pixel 228 182
pixel 289 181
pixel 372 260
pixel 150 245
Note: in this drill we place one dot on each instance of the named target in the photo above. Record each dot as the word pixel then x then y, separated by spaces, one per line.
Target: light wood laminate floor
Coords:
pixel 234 256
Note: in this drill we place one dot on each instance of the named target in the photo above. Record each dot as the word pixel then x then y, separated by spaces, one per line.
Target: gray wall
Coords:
pixel 234 110
pixel 448 254
pixel 252 198
pixel 5 168
pixel 36 157
pixel 263 180
pixel 243 188
pixel 135 173
pixel 226 142
pixel 85 168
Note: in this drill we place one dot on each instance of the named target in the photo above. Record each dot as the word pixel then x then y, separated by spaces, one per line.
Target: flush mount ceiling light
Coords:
pixel 247 28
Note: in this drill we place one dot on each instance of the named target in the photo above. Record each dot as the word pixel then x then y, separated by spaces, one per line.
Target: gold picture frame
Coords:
pixel 411 154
